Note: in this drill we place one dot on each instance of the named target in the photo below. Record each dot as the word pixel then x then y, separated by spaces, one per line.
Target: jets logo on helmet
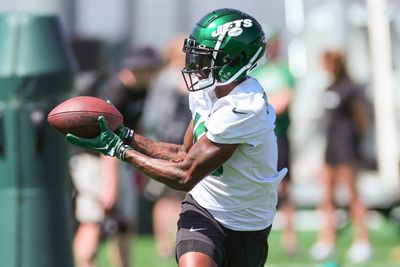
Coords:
pixel 223 46
pixel 233 28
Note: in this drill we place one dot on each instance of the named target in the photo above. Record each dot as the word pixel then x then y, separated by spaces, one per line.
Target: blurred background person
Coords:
pixel 96 192
pixel 165 117
pixel 95 180
pixel 97 189
pixel 118 225
pixel 347 120
pixel 126 89
pixel 106 199
pixel 278 84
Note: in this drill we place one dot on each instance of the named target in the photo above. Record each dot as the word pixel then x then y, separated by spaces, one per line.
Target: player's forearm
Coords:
pixel 173 174
pixel 154 149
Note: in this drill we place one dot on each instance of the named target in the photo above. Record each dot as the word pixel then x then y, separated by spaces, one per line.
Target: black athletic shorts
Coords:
pixel 198 231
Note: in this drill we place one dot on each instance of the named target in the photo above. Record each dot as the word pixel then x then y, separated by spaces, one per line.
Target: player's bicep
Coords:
pixel 206 156
pixel 188 138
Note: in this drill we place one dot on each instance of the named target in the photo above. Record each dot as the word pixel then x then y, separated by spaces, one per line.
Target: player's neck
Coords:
pixel 223 90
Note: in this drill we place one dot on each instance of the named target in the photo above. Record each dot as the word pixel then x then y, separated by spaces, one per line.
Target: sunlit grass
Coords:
pixel 385 239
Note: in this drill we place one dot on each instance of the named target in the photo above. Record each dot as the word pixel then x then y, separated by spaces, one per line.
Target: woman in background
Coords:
pixel 347 120
pixel 165 118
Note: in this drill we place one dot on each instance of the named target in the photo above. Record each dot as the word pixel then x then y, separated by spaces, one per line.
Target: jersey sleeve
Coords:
pixel 199 102
pixel 231 124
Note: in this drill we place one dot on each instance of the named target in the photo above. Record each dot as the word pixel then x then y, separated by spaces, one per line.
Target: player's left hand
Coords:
pixel 107 142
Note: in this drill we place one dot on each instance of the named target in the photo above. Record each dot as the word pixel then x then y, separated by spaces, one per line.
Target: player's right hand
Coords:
pixel 107 142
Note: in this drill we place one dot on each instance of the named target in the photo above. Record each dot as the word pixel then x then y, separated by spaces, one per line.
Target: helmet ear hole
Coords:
pixel 237 60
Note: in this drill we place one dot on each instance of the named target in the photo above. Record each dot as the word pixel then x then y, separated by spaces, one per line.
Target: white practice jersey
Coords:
pixel 242 193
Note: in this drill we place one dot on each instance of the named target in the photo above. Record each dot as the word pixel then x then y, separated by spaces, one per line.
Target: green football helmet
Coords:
pixel 223 46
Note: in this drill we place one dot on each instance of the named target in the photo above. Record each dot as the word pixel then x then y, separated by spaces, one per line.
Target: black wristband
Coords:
pixel 121 151
pixel 127 139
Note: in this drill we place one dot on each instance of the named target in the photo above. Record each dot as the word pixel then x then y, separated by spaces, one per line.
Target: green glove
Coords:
pixel 107 142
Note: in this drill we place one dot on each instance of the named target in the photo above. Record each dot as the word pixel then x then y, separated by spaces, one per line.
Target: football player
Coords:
pixel 228 160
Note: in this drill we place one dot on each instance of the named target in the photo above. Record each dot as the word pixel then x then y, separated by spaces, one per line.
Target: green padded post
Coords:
pixel 36 73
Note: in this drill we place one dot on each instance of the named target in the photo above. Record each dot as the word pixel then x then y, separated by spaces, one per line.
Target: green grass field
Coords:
pixel 385 238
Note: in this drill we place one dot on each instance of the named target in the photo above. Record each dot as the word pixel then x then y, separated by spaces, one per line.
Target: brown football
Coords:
pixel 78 115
